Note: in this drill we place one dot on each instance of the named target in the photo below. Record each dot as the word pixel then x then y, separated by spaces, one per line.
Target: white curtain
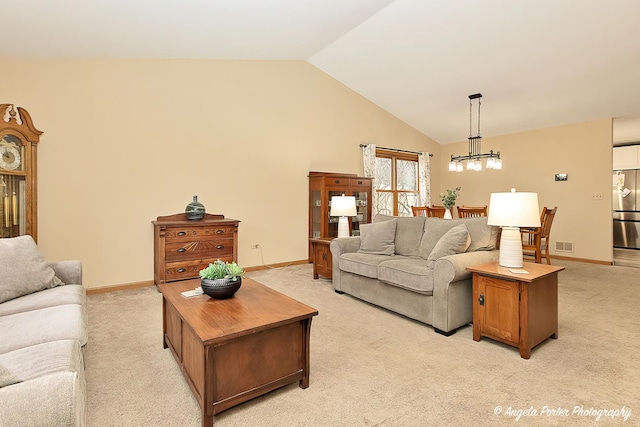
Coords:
pixel 424 178
pixel 369 162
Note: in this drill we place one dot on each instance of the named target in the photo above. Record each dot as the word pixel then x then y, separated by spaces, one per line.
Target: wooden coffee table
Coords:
pixel 233 350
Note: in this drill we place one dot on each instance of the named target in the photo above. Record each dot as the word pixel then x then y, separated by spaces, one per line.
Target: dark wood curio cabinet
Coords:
pixel 322 187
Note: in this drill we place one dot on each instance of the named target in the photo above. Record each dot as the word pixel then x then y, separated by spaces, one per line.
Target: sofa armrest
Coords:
pixel 343 245
pixel 70 271
pixel 339 246
pixel 452 268
pixel 56 399
pixel 452 288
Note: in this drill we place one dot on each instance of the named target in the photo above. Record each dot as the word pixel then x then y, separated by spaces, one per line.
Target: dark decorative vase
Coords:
pixel 195 209
pixel 220 288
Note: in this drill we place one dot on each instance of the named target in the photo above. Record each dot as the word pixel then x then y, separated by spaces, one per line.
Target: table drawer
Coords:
pixel 188 250
pixel 179 234
pixel 359 184
pixel 189 269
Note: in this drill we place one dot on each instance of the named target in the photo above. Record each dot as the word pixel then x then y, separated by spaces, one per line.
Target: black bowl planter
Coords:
pixel 220 288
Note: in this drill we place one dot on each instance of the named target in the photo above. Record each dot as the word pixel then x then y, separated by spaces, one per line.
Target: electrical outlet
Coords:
pixel 255 246
pixel 597 196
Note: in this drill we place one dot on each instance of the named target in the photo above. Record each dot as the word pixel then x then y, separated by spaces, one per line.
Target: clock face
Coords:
pixel 9 157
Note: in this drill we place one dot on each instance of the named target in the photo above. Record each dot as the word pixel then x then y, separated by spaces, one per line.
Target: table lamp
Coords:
pixel 511 211
pixel 343 206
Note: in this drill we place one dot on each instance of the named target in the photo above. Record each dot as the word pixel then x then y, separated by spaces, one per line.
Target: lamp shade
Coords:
pixel 514 209
pixel 343 206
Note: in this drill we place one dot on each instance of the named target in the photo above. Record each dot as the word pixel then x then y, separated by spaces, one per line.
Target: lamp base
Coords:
pixel 343 227
pixel 511 248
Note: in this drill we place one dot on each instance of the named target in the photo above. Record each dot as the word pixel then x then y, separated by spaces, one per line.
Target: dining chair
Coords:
pixel 435 211
pixel 431 212
pixel 419 210
pixel 471 211
pixel 536 240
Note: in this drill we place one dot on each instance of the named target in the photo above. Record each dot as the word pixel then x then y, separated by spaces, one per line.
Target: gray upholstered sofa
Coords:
pixel 415 266
pixel 43 330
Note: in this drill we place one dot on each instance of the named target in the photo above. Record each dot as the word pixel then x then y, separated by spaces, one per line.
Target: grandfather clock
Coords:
pixel 18 190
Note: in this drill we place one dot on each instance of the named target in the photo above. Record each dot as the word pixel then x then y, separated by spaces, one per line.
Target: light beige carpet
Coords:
pixel 370 367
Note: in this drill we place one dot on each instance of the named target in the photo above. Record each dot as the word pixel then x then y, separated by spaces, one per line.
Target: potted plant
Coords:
pixel 221 279
pixel 449 200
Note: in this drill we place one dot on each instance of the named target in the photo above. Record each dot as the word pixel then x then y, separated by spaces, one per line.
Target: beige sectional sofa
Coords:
pixel 43 329
pixel 415 266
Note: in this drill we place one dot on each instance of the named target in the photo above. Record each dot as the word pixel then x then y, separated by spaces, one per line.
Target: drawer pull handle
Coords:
pixel 337 181
pixel 219 231
pixel 181 270
pixel 219 246
pixel 359 182
pixel 181 250
pixel 182 233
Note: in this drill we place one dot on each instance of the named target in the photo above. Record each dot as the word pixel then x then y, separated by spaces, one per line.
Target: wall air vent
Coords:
pixel 564 246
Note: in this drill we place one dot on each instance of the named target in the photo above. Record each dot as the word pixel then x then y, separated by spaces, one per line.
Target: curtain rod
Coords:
pixel 396 149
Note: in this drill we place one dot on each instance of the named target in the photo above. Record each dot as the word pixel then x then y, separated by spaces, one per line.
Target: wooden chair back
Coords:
pixel 471 211
pixel 430 212
pixel 419 210
pixel 536 240
pixel 546 219
pixel 435 211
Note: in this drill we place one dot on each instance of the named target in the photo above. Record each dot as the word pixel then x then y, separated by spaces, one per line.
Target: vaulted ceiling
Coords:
pixel 538 63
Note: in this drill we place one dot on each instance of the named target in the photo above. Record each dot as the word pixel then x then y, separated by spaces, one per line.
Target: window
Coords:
pixel 397 182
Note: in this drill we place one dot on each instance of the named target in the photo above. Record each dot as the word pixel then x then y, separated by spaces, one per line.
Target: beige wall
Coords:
pixel 531 159
pixel 128 140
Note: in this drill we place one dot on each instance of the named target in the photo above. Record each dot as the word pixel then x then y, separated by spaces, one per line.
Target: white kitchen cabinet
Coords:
pixel 626 157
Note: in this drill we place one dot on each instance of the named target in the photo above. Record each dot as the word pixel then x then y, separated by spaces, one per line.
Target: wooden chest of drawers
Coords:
pixel 183 247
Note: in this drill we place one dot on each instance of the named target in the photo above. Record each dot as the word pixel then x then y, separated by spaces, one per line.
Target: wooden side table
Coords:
pixel 520 310
pixel 321 257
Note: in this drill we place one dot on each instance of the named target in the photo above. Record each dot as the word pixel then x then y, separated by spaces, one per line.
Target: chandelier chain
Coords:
pixel 479 103
pixel 470 119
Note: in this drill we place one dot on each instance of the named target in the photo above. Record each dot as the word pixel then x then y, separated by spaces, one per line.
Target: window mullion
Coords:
pixel 394 183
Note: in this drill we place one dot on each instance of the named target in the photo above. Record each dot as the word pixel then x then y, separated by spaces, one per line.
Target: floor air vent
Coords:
pixel 564 246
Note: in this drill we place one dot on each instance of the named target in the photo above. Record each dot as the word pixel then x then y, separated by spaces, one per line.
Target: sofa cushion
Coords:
pixel 361 263
pixel 43 359
pixel 7 377
pixel 24 269
pixel 63 322
pixel 67 294
pixel 483 236
pixel 378 238
pixel 454 241
pixel 408 273
pixel 408 233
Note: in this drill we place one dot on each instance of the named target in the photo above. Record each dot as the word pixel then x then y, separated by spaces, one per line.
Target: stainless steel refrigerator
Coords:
pixel 626 209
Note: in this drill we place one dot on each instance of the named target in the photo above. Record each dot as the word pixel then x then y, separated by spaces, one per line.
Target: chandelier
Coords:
pixel 474 156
